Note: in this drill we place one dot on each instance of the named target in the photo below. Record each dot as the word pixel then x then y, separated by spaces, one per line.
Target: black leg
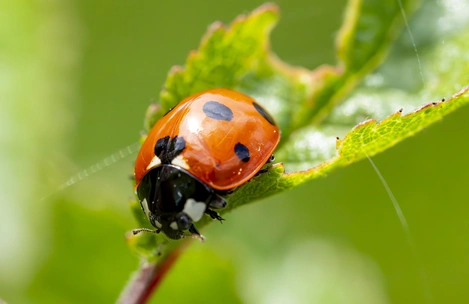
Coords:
pixel 271 159
pixel 266 168
pixel 261 171
pixel 225 192
pixel 214 215
pixel 218 202
pixel 194 230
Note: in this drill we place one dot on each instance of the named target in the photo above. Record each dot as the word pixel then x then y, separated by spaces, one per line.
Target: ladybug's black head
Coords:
pixel 173 199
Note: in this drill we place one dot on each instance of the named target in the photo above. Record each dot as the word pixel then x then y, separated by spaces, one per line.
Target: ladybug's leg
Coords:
pixel 137 231
pixel 261 171
pixel 265 169
pixel 214 215
pixel 193 230
pixel 196 233
pixel 217 202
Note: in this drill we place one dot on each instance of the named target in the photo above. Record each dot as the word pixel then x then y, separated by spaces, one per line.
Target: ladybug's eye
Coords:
pixel 184 221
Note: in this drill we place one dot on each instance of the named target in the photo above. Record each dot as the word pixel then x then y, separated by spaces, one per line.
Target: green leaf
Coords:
pixel 238 57
pixel 305 103
pixel 368 138
pixel 362 44
pixel 388 90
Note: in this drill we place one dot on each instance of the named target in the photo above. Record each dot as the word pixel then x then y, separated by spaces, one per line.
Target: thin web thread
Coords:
pixel 405 227
pixel 412 40
pixel 397 208
pixel 106 162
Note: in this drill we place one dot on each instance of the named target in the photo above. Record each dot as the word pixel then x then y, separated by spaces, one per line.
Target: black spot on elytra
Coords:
pixel 161 145
pixel 218 111
pixel 264 113
pixel 167 149
pixel 242 152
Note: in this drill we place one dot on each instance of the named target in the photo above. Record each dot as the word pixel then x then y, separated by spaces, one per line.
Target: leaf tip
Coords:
pixel 269 10
pixel 423 108
pixel 364 123
pixel 461 92
pixel 338 142
pixel 267 7
pixel 215 26
pixel 152 112
pixel 175 69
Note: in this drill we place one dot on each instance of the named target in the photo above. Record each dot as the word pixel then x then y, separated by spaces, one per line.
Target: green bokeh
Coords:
pixel 333 240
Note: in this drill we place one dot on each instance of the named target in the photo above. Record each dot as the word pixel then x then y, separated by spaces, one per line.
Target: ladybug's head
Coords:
pixel 173 199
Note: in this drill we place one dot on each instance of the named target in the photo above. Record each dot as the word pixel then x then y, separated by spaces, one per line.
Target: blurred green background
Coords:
pixel 75 80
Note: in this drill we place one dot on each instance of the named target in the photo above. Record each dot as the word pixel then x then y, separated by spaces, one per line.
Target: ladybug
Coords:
pixel 207 145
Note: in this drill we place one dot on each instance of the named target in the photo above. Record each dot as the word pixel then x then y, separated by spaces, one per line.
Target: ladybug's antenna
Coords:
pixel 106 162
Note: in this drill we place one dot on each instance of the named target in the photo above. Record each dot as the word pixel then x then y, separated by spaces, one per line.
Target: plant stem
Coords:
pixel 147 279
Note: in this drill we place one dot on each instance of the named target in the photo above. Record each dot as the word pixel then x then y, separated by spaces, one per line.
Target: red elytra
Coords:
pixel 228 138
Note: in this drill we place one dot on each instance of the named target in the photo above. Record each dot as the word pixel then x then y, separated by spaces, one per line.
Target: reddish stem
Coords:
pixel 147 280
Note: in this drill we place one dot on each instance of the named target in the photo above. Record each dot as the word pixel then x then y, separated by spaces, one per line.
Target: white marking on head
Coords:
pixel 154 162
pixel 194 209
pixel 148 213
pixel 180 162
pixel 145 208
pixel 157 224
pixel 174 226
